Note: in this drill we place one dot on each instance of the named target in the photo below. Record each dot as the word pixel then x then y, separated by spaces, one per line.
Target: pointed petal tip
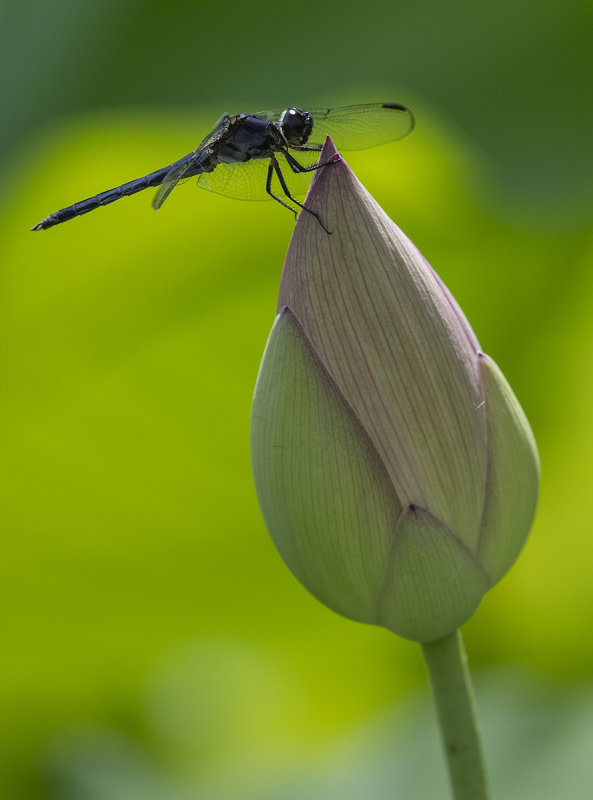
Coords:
pixel 329 149
pixel 329 156
pixel 332 180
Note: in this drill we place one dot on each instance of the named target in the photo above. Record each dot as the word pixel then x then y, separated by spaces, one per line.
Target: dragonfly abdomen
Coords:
pixel 103 199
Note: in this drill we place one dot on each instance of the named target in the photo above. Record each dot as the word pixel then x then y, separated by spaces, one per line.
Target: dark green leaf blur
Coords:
pixel 154 645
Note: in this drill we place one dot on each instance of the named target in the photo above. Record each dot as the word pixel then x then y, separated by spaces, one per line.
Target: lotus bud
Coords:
pixel 395 469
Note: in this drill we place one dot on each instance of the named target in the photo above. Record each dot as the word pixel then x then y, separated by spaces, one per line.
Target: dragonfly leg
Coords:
pixel 271 167
pixel 296 167
pixel 274 165
pixel 306 148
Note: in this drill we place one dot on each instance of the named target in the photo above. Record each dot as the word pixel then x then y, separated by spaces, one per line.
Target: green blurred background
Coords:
pixel 154 646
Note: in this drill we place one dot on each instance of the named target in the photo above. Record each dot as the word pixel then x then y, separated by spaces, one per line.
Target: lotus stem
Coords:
pixel 453 693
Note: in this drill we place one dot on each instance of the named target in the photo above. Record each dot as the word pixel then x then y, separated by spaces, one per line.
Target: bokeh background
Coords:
pixel 153 645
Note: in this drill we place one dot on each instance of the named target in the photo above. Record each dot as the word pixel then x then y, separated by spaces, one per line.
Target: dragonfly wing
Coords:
pixel 273 116
pixel 361 126
pixel 241 180
pixel 183 168
pixel 171 180
pixel 247 180
pixel 215 132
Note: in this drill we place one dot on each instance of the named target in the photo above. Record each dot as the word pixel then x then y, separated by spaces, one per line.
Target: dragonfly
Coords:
pixel 242 155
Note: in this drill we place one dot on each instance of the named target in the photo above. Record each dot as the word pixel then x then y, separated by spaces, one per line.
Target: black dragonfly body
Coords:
pixel 239 157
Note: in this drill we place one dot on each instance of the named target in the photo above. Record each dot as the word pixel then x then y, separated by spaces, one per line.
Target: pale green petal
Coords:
pixel 324 495
pixel 513 474
pixel 433 583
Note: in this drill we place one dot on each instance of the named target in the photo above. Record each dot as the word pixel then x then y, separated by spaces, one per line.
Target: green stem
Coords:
pixel 454 697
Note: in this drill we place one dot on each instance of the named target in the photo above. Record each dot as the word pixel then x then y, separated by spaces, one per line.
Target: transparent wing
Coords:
pixel 356 127
pixel 221 125
pixel 362 126
pixel 247 180
pixel 273 116
pixel 171 179
pixel 183 169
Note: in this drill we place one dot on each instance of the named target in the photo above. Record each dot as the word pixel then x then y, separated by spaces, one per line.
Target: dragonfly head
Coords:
pixel 296 125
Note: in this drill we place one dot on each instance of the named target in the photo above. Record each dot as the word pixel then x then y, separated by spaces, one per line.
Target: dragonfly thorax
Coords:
pixel 296 125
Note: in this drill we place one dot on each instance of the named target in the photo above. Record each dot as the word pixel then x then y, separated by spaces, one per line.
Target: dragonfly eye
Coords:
pixel 296 125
